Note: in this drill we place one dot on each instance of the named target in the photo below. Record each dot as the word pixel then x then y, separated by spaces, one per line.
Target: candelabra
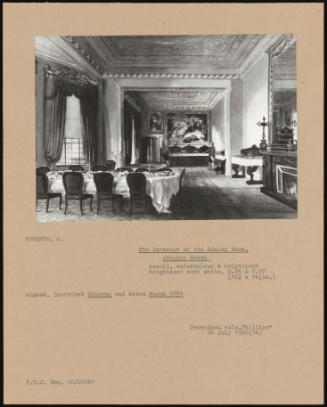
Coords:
pixel 263 124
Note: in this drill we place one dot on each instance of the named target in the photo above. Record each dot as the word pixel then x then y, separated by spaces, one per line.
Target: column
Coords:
pixel 133 149
pixel 100 144
pixel 112 121
pixel 228 154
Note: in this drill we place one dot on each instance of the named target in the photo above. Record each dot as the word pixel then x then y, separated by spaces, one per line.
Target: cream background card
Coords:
pixel 139 349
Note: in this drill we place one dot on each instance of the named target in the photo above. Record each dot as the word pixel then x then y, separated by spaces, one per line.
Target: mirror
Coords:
pixel 282 89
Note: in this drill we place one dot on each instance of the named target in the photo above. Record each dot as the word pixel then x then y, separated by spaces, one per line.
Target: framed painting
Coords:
pixel 187 127
pixel 156 122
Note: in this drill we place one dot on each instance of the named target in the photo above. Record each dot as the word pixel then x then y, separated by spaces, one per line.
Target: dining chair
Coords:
pixel 76 168
pixel 136 182
pixel 99 168
pixel 42 190
pixel 42 170
pixel 73 184
pixel 104 183
pixel 110 164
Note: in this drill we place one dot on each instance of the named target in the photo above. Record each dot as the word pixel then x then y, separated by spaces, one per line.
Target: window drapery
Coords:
pixel 57 88
pixel 55 113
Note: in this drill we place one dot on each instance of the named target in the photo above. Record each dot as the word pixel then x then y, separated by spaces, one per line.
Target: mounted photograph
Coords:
pixel 184 127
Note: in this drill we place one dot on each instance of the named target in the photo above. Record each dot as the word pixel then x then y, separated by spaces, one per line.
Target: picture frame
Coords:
pixel 187 127
pixel 156 122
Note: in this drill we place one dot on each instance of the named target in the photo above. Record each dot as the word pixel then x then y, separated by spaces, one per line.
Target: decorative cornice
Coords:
pixel 147 75
pixel 68 74
pixel 169 108
pixel 272 44
pixel 55 49
pixel 281 46
pixel 261 50
pixel 83 53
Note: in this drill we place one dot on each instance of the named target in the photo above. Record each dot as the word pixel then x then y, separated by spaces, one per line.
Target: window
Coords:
pixel 73 150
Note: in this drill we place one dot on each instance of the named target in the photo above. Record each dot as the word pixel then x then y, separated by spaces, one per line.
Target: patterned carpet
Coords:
pixel 205 195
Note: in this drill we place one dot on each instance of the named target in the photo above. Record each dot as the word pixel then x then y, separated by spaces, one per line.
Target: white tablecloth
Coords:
pixel 160 188
pixel 254 161
pixel 247 161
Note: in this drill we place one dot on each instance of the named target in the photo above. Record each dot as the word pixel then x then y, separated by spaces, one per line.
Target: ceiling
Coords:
pixel 186 56
pixel 204 54
pixel 179 99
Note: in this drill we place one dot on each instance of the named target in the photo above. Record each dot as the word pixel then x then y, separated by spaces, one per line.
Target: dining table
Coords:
pixel 160 186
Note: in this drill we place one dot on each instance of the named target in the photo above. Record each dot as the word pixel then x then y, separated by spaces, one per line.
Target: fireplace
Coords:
pixel 286 180
pixel 280 176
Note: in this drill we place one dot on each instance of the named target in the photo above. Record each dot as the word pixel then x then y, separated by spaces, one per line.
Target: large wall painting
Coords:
pixel 187 128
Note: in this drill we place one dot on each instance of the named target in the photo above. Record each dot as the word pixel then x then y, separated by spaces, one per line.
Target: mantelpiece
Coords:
pixel 280 176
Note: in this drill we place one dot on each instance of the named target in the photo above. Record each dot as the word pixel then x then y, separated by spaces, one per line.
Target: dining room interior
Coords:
pixel 187 127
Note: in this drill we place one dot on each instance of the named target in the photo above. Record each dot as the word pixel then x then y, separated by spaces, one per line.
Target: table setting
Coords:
pixel 161 186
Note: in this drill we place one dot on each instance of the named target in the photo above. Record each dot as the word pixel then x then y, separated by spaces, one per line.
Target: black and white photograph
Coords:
pixel 172 127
